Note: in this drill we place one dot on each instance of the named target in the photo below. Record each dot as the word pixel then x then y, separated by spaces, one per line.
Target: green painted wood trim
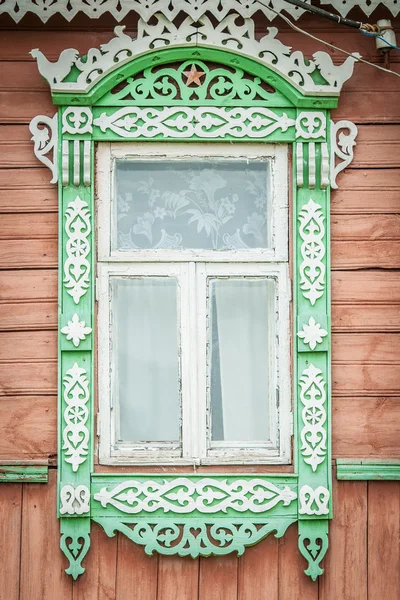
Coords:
pixel 367 470
pixel 164 56
pixel 24 474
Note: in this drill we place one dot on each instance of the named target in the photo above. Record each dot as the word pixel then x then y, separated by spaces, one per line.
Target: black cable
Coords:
pixel 324 13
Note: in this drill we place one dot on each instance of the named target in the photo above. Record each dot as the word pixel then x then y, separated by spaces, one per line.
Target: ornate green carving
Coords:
pixel 313 544
pixel 195 83
pixel 75 543
pixel 196 537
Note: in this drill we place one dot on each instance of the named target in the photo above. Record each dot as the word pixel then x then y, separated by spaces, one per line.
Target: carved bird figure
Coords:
pixel 121 41
pixel 54 72
pixel 335 75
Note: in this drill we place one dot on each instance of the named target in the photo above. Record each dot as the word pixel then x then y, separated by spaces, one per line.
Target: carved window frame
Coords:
pixel 243 508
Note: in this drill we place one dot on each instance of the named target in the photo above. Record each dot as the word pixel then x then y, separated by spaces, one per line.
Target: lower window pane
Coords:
pixel 241 357
pixel 146 374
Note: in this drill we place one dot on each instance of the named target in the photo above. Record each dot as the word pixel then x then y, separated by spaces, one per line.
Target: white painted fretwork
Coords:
pixel 312 333
pixel 119 9
pixel 74 500
pixel 76 330
pixel 342 147
pixel 77 120
pixel 183 495
pixel 311 125
pixel 77 265
pixel 44 132
pixel 325 167
pixel 230 34
pixel 312 268
pixel 185 122
pixel 313 501
pixel 76 414
pixel 313 434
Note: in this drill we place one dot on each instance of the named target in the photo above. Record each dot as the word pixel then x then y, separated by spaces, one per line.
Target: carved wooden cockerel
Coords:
pixel 335 75
pixel 54 72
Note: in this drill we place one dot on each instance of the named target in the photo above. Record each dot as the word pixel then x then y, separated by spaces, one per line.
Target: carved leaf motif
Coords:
pixel 313 433
pixel 77 266
pixel 312 268
pixel 76 414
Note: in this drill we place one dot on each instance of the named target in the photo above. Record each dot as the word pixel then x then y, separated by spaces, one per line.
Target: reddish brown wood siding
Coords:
pixel 363 560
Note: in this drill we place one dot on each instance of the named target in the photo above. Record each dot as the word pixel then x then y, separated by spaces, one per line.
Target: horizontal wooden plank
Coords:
pixel 28 285
pixel 39 254
pixel 365 254
pixel 366 107
pixel 364 317
pixel 366 227
pixel 27 190
pixel 367 379
pixel 368 470
pixel 28 226
pixel 367 191
pixel 364 427
pixel 28 346
pixel 28 379
pixel 21 107
pixel 23 474
pixel 28 316
pixel 365 348
pixel 29 427
pixel 378 147
pixel 368 287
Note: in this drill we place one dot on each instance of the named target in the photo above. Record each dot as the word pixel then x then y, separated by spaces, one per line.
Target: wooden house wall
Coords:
pixel 364 555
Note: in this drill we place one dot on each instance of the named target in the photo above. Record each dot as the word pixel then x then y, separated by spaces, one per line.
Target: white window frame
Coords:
pixel 191 268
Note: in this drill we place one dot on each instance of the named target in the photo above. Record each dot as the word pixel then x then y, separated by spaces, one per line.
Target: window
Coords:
pixel 193 349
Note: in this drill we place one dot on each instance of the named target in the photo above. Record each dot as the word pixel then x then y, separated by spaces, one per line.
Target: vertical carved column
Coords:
pixel 312 335
pixel 76 297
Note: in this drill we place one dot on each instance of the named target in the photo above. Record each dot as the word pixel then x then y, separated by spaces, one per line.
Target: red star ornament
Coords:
pixel 193 76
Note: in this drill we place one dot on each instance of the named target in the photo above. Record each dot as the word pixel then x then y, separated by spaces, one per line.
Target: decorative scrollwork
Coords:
pixel 75 547
pixel 184 496
pixel 74 500
pixel 342 147
pixel 77 120
pixel 185 122
pixel 313 546
pixel 76 330
pixel 155 86
pixel 311 125
pixel 44 132
pixel 313 433
pixel 231 33
pixel 312 333
pixel 76 414
pixel 313 501
pixel 197 538
pixel 77 266
pixel 312 268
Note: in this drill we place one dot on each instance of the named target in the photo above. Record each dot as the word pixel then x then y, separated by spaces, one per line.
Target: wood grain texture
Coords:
pixel 42 562
pixel 28 285
pixel 28 316
pixel 258 571
pixel 370 287
pixel 28 226
pixel 10 540
pixel 98 582
pixel 365 254
pixel 365 318
pixel 29 427
pixel 42 254
pixel 27 190
pixel 383 540
pixel 345 575
pixel 365 427
pixel 136 572
pixel 367 191
pixel 28 379
pixel 178 578
pixel 218 578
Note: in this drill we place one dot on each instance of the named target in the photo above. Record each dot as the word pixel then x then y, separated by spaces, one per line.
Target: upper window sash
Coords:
pixel 108 154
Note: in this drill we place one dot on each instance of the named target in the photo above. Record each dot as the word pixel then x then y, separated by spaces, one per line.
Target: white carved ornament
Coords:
pixel 312 333
pixel 185 122
pixel 76 414
pixel 342 147
pixel 119 9
pixel 77 266
pixel 74 500
pixel 311 125
pixel 313 433
pixel 76 330
pixel 226 35
pixel 312 268
pixel 45 136
pixel 313 501
pixel 77 120
pixel 183 495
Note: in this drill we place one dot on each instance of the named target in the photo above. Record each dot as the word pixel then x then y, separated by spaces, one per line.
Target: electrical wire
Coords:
pixel 379 37
pixel 324 13
pixel 296 28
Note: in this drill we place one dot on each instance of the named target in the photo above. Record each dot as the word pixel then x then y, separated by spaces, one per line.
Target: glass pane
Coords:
pixel 201 204
pixel 241 341
pixel 145 346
